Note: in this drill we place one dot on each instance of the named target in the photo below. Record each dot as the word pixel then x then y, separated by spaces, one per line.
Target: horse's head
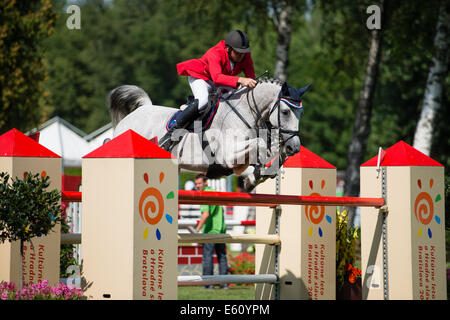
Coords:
pixel 283 112
pixel 285 115
pixel 274 106
pixel 281 108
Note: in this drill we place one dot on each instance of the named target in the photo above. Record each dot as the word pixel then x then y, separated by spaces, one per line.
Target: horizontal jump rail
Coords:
pixel 224 279
pixel 75 238
pixel 232 223
pixel 228 238
pixel 255 199
pixel 70 238
pixel 71 196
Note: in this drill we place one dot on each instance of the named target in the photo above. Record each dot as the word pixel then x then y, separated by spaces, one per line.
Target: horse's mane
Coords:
pixel 267 80
pixel 272 80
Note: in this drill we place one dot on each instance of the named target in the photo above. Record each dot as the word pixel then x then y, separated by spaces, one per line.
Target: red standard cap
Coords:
pixel 402 154
pixel 307 159
pixel 15 144
pixel 129 145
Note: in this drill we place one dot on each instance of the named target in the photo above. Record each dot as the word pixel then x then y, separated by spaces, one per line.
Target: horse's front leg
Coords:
pixel 189 153
pixel 240 154
pixel 262 172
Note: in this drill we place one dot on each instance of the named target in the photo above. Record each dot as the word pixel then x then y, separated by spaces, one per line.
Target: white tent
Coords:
pixel 96 138
pixel 63 139
pixel 69 142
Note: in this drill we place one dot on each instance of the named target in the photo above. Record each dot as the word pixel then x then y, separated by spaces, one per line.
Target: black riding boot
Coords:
pixel 187 116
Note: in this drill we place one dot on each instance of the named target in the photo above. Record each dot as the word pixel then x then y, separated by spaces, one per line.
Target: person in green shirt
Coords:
pixel 212 221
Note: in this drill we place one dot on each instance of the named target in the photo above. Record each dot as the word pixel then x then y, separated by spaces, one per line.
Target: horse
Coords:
pixel 250 128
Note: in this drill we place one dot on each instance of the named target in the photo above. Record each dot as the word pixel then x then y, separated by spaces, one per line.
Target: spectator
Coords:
pixel 212 221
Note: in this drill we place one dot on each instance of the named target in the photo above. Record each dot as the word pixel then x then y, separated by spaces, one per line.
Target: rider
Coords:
pixel 217 67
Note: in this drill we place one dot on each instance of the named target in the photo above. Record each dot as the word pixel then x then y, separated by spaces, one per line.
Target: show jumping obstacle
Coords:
pixel 130 207
pixel 254 200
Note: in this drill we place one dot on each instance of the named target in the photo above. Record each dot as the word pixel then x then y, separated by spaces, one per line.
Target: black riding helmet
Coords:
pixel 238 40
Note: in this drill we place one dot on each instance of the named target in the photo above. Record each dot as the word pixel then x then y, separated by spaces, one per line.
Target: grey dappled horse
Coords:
pixel 251 127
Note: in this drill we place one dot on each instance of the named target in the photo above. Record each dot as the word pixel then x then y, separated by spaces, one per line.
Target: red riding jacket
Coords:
pixel 215 65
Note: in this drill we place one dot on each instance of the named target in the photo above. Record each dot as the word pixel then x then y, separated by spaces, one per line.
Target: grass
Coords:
pixel 72 171
pixel 200 293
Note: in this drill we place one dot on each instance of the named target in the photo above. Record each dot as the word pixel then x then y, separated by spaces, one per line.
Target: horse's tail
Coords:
pixel 124 100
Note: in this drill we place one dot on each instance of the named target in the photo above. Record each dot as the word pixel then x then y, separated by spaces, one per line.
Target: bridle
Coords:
pixel 262 123
pixel 293 104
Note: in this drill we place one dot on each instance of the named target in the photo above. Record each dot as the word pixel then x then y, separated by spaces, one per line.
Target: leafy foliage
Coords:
pixel 23 26
pixel 346 242
pixel 66 254
pixel 27 209
pixel 406 56
pixel 124 42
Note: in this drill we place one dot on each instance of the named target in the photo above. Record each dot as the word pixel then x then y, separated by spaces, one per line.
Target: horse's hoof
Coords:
pixel 249 182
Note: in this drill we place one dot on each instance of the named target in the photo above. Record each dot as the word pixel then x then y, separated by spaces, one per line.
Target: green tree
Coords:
pixel 432 100
pixel 405 58
pixel 79 73
pixel 27 209
pixel 351 16
pixel 23 27
pixel 120 42
pixel 325 127
pixel 403 78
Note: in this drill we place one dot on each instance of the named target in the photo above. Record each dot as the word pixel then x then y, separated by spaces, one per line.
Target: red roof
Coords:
pixel 129 145
pixel 402 154
pixel 307 159
pixel 15 144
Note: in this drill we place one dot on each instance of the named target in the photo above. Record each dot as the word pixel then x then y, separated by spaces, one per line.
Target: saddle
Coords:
pixel 206 115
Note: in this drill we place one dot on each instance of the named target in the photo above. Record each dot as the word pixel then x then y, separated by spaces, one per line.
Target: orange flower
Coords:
pixel 352 278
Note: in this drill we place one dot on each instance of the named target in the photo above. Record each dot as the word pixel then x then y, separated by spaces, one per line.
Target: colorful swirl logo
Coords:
pixel 146 203
pixel 424 208
pixel 314 213
pixel 152 205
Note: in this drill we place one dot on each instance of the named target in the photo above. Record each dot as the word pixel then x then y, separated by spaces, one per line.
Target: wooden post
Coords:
pixel 20 154
pixel 414 264
pixel 307 255
pixel 130 220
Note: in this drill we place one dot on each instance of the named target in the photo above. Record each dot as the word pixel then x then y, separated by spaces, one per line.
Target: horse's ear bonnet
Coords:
pixel 301 91
pixel 293 94
pixel 285 92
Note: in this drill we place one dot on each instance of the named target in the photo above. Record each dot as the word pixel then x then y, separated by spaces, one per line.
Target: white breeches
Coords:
pixel 201 89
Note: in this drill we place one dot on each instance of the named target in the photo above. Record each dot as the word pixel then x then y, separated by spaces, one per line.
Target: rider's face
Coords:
pixel 236 56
